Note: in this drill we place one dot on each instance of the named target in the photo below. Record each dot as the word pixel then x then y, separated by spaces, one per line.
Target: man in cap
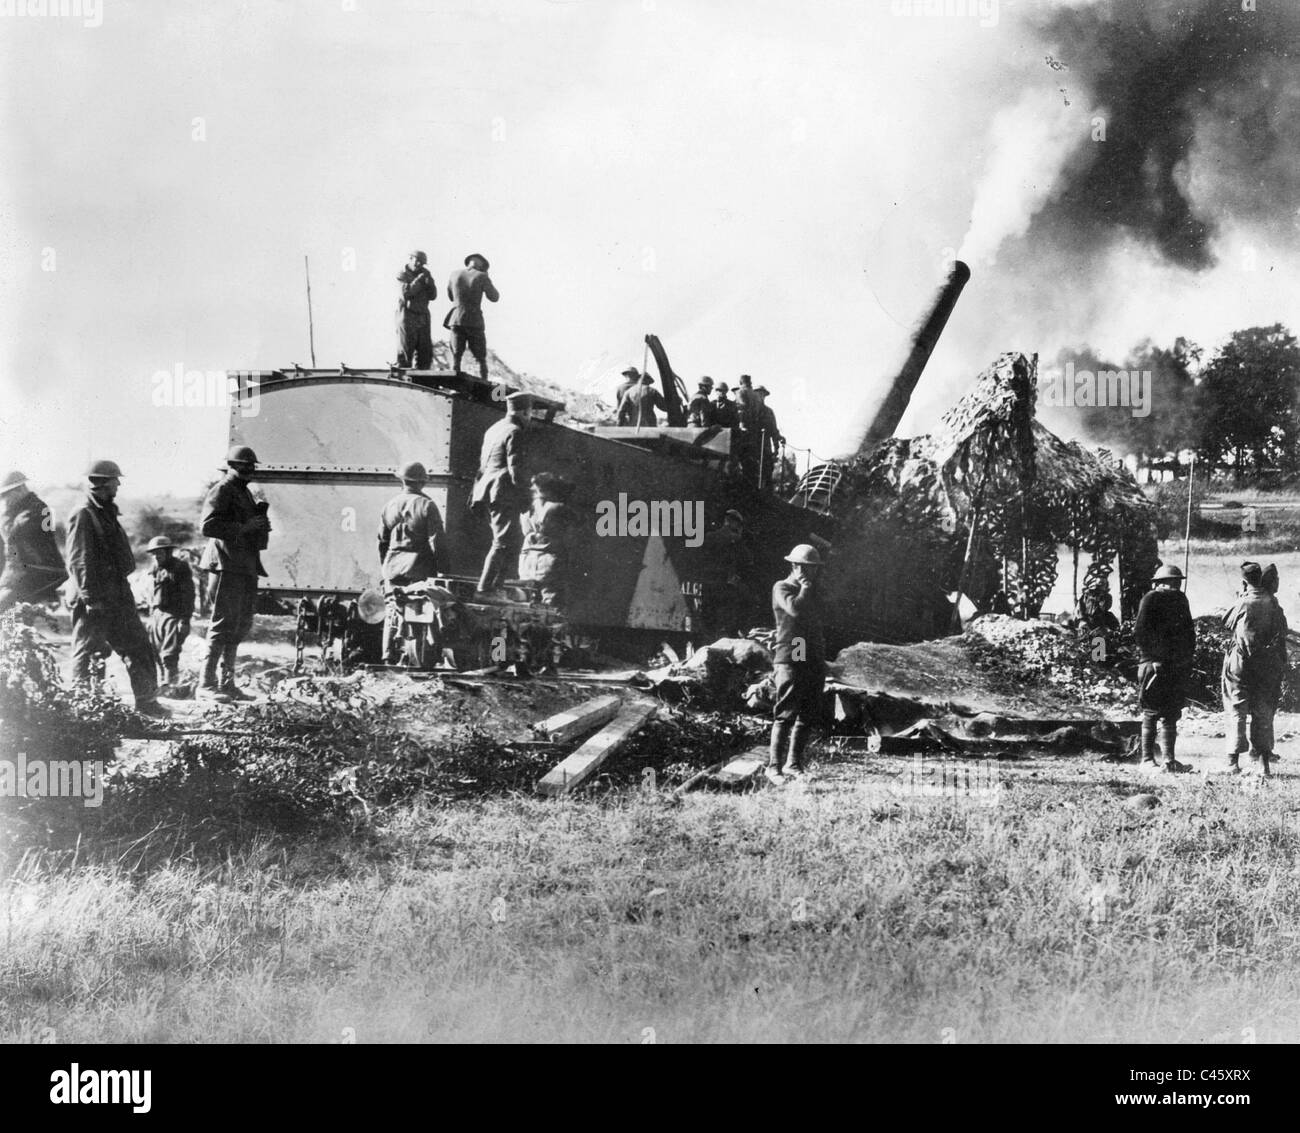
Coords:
pixel 467 289
pixel 1166 641
pixel 500 487
pixel 171 606
pixel 724 409
pixel 1254 666
pixel 412 540
pixel 414 340
pixel 33 567
pixel 104 618
pixel 639 404
pixel 799 663
pixel 236 528
pixel 699 414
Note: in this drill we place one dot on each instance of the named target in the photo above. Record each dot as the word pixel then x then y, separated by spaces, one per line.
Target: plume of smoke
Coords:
pixel 1032 141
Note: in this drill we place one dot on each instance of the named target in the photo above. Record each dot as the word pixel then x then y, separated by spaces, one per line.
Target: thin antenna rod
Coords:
pixel 311 330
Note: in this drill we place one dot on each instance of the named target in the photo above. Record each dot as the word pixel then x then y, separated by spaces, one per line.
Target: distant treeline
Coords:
pixel 1238 408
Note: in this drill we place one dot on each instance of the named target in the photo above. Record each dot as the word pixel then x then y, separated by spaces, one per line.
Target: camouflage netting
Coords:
pixel 994 480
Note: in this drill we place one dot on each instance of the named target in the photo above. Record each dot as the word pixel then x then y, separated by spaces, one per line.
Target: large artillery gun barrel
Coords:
pixel 921 345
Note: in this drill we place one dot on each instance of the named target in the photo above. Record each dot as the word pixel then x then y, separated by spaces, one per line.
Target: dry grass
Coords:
pixel 814 913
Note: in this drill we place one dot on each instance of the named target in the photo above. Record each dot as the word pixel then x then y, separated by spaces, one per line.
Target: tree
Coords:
pixel 1247 402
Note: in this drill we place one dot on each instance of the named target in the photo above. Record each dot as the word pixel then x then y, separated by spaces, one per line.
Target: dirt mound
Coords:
pixel 1034 669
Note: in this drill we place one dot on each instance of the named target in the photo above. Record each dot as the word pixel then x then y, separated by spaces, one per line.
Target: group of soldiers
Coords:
pixel 1254 665
pixel 466 290
pixel 100 561
pixel 755 437
pixel 530 518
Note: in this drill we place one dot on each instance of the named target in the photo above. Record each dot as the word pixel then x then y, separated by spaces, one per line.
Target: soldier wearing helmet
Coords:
pixel 799 663
pixel 700 411
pixel 104 617
pixel 412 541
pixel 33 567
pixel 414 338
pixel 171 606
pixel 1166 641
pixel 1254 666
pixel 236 528
pixel 724 409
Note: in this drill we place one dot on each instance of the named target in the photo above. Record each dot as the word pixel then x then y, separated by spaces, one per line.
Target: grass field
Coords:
pixel 821 912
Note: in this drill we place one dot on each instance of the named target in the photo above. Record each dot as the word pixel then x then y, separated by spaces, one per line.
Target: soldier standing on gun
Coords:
pixel 412 540
pixel 236 528
pixel 414 339
pixel 499 488
pixel 104 617
pixel 1253 667
pixel 33 567
pixel 1166 641
pixel 465 321
pixel 700 412
pixel 799 663
pixel 171 606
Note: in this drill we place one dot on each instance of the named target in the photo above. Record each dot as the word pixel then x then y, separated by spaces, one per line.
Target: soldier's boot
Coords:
pixel 209 686
pixel 228 686
pixel 1168 739
pixel 776 751
pixel 1237 729
pixel 1147 742
pixel 800 734
pixel 494 569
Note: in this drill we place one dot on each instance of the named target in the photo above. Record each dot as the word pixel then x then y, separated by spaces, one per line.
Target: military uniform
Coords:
pixel 724 413
pixel 414 337
pixel 799 666
pixel 411 539
pixel 726 565
pixel 1253 668
pixel 1166 641
pixel 638 406
pixel 466 290
pixel 33 567
pixel 104 618
pixel 700 412
pixel 548 531
pixel 233 563
pixel 171 606
pixel 498 492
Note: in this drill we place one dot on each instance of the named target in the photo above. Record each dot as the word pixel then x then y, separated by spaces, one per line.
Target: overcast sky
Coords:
pixel 769 187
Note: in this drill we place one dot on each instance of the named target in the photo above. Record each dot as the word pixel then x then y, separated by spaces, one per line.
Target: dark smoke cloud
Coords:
pixel 1201 102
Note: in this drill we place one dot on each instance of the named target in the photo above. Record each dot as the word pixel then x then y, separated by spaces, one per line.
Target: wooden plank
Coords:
pixel 579 766
pixel 577 721
pixel 743 767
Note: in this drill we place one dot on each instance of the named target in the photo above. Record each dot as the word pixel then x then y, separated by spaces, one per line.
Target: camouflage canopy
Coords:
pixel 981 506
